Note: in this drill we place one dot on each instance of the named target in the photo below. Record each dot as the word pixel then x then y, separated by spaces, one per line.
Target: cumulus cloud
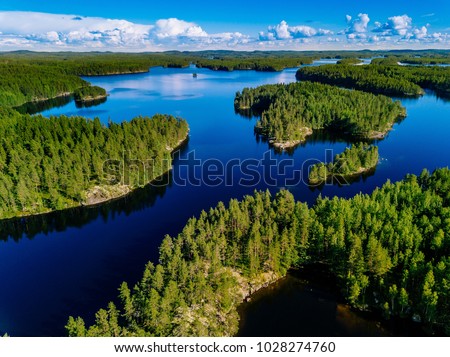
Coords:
pixel 173 28
pixel 71 30
pixel 357 25
pixel 401 30
pixel 43 30
pixel 283 31
pixel 395 25
pixel 420 33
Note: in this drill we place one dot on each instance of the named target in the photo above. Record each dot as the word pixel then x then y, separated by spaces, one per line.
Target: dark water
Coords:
pixel 307 303
pixel 71 263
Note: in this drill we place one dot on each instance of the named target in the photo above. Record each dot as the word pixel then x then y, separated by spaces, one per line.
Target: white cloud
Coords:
pixel 173 28
pixel 357 25
pixel 420 33
pixel 356 36
pixel 395 25
pixel 70 30
pixel 400 30
pixel 43 31
pixel 52 31
pixel 283 31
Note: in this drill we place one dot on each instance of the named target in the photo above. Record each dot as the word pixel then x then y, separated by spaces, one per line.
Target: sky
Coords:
pixel 136 26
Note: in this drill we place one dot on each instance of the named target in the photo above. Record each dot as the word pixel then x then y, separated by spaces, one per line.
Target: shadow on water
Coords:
pixel 307 303
pixel 344 180
pixel 58 102
pixel 37 107
pixel 91 103
pixel 59 221
pixel 319 136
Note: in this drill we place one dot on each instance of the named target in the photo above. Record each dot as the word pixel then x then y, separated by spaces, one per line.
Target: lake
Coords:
pixel 72 262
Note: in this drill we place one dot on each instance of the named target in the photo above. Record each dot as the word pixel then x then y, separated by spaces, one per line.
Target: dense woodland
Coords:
pixel 353 161
pixel 389 251
pixel 52 163
pixel 21 83
pixel 422 60
pixel 257 64
pixel 391 79
pixel 97 63
pixel 286 110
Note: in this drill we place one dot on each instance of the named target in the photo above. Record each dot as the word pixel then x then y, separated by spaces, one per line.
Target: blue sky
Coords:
pixel 186 25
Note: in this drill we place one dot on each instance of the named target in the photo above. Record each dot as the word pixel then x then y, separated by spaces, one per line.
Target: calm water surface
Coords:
pixel 71 263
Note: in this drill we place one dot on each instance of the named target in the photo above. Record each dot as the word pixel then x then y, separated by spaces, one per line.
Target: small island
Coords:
pixel 354 161
pixel 289 113
pixel 89 94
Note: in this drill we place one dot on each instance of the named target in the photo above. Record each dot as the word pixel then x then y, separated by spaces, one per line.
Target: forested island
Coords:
pixel 290 112
pixel 389 251
pixel 382 77
pixel 55 163
pixel 355 160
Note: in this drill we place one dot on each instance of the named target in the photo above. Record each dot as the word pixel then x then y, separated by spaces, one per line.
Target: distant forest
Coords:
pixel 33 76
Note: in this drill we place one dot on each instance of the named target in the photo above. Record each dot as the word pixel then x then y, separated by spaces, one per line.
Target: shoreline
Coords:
pixel 284 145
pixel 91 99
pixel 116 73
pixel 38 100
pixel 360 171
pixel 124 190
pixel 371 311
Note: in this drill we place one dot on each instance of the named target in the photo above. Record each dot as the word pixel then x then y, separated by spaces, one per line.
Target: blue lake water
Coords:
pixel 71 263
